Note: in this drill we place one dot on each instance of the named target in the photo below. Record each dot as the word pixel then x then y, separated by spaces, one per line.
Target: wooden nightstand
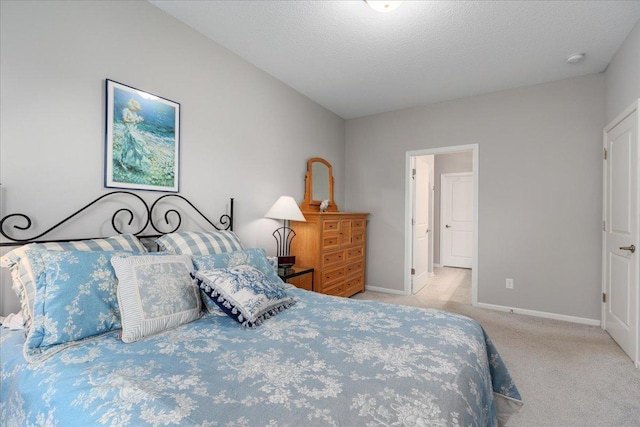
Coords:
pixel 302 276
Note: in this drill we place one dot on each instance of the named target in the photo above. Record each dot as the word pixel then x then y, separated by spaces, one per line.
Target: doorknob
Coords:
pixel 448 226
pixel 631 248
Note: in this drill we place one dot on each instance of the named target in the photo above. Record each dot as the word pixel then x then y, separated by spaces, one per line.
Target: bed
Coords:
pixel 290 358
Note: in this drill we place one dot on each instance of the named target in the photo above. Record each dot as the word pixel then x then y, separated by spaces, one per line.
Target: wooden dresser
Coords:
pixel 333 243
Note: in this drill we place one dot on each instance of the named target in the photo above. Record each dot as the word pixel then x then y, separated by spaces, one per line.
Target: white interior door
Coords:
pixel 421 193
pixel 621 253
pixel 456 219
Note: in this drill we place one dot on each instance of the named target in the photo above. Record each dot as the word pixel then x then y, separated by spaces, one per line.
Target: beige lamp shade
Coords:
pixel 285 208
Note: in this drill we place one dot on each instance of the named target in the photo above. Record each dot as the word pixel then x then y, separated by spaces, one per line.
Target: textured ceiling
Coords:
pixel 356 62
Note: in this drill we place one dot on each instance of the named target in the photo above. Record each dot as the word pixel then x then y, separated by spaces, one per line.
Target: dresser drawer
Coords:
pixel 355 253
pixel 332 258
pixel 330 225
pixel 332 275
pixel 357 237
pixel 354 285
pixel 355 267
pixel 330 241
pixel 359 223
pixel 335 290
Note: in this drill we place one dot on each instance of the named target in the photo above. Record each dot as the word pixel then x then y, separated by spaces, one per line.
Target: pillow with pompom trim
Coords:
pixel 244 293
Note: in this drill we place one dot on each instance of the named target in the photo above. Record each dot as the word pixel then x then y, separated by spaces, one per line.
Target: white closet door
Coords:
pixel 456 219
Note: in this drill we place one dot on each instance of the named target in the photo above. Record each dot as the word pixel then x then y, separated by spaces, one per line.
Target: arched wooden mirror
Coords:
pixel 318 186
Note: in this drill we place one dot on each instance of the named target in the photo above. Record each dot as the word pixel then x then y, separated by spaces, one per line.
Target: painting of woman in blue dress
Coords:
pixel 142 140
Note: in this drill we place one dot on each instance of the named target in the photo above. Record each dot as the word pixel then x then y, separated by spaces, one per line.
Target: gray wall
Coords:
pixel 622 78
pixel 446 163
pixel 540 189
pixel 244 134
pixel 247 135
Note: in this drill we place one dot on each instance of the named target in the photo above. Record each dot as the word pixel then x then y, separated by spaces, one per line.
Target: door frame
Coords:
pixel 603 324
pixel 442 226
pixel 408 250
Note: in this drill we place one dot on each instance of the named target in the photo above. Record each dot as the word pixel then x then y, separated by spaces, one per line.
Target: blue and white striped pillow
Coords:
pixel 200 242
pixel 122 242
pixel 23 278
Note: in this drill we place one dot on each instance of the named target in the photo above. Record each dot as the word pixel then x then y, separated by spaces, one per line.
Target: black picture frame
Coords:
pixel 142 140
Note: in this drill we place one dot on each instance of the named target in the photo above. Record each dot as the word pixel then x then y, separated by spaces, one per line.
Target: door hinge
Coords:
pixel 413 271
pixel 604 225
pixel 413 172
pixel 413 221
pixel 605 154
pixel 604 297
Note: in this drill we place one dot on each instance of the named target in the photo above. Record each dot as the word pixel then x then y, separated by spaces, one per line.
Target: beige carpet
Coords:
pixel 568 374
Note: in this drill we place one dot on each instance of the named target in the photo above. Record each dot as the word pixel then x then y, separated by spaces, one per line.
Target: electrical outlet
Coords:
pixel 509 283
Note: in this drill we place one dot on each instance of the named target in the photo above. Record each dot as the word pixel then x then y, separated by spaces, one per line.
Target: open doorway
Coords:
pixel 451 244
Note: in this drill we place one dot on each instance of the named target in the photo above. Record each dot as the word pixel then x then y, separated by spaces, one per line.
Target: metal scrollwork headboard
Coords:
pixel 225 221
pixel 22 222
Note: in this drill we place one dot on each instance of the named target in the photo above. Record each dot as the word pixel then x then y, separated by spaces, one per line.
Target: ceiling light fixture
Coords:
pixel 383 5
pixel 574 58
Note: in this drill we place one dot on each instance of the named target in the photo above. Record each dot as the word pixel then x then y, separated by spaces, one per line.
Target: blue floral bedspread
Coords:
pixel 323 362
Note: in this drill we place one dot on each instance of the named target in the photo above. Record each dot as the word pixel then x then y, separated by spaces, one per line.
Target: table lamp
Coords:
pixel 287 209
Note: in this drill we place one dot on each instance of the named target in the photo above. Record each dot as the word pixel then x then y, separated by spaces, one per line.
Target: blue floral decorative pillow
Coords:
pixel 75 299
pixel 244 293
pixel 254 257
pixel 23 277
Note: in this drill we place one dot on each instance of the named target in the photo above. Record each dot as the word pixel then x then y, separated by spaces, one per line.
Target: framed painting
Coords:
pixel 142 140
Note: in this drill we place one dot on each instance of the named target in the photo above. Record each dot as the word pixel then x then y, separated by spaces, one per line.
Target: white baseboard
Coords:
pixel 437 265
pixel 535 313
pixel 384 290
pixel 544 314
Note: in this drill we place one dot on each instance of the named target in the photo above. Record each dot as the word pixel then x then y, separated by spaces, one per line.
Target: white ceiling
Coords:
pixel 356 62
